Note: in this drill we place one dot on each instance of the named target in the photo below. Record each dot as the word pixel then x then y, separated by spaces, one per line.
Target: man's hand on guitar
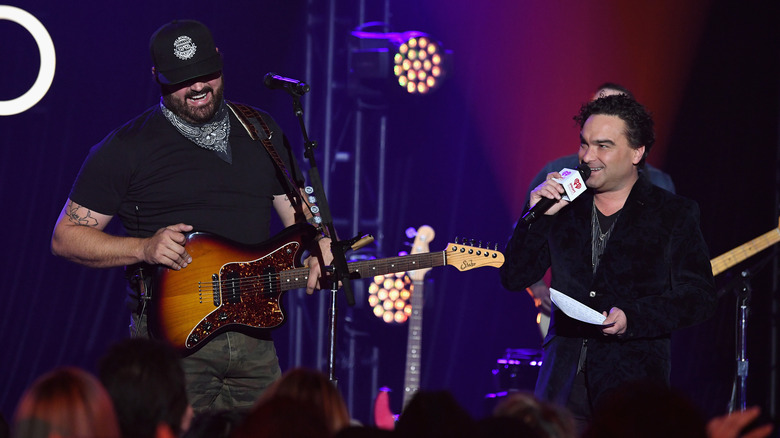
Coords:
pixel 315 267
pixel 166 247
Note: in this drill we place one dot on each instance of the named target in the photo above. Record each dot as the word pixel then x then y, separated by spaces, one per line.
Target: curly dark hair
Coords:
pixel 639 122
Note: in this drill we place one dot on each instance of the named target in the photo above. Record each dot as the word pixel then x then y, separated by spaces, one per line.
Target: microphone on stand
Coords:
pixel 276 82
pixel 573 182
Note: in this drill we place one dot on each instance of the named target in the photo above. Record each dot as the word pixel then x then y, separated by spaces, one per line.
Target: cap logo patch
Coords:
pixel 184 48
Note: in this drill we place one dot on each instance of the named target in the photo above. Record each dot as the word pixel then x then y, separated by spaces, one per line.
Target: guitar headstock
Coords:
pixel 465 257
pixel 422 240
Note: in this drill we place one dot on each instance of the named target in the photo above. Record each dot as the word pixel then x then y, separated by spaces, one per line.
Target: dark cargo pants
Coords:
pixel 228 373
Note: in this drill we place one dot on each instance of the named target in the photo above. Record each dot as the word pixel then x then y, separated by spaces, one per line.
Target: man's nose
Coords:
pixel 197 86
pixel 588 156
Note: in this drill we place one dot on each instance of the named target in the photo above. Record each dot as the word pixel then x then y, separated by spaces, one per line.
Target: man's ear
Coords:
pixel 154 75
pixel 639 153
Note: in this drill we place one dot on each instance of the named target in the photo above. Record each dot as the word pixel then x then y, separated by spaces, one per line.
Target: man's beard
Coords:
pixel 201 114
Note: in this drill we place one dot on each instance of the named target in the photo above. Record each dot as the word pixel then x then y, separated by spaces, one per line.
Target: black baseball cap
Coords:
pixel 182 50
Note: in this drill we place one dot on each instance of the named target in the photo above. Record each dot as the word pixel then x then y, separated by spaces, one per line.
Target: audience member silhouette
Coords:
pixel 310 386
pixel 214 424
pixel 645 410
pixel 300 403
pixel 650 409
pixel 361 431
pixel 146 383
pixel 283 417
pixel 435 413
pixel 66 402
pixel 542 418
pixel 506 427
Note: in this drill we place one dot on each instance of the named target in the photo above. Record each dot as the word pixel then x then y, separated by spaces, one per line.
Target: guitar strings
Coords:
pixel 259 284
pixel 251 284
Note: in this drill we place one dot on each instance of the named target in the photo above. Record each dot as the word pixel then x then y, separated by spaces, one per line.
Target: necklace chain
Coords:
pixel 598 238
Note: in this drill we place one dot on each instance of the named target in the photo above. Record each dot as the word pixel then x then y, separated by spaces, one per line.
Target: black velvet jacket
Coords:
pixel 655 268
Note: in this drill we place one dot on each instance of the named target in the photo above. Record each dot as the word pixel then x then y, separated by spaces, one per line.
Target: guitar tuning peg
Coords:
pixel 456 240
pixel 480 244
pixel 471 242
pixel 410 232
pixel 495 248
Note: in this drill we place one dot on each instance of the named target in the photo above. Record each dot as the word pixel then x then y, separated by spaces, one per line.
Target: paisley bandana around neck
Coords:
pixel 212 135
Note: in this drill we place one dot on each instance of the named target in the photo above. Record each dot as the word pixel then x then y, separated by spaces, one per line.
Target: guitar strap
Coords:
pixel 253 122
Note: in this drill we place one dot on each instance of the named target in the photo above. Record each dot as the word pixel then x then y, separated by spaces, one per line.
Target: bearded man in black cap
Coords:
pixel 193 162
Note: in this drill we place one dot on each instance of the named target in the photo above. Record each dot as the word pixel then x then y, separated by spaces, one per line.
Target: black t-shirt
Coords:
pixel 151 176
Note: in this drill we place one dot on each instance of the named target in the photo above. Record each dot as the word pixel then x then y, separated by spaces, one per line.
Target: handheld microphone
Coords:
pixel 573 183
pixel 276 82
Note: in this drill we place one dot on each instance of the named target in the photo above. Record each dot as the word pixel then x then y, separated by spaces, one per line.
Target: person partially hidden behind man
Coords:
pixel 624 247
pixel 186 164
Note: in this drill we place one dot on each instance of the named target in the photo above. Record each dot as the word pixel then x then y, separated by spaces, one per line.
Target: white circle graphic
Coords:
pixel 48 61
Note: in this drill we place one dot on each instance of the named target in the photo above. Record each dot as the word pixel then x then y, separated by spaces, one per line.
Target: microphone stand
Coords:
pixel 339 272
pixel 739 388
pixel 744 291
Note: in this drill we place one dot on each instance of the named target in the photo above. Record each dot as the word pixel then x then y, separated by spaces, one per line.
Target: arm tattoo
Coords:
pixel 81 216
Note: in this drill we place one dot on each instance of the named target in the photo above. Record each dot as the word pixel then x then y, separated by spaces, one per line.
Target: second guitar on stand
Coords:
pixel 383 416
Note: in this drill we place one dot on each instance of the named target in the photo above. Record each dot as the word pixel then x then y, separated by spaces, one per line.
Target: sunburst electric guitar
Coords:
pixel 383 416
pixel 233 287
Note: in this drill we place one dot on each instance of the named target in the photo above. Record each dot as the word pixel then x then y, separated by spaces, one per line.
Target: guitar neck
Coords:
pixel 414 344
pixel 742 252
pixel 297 278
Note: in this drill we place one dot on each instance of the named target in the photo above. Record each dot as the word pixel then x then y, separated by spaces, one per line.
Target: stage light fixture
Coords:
pixel 413 60
pixel 418 63
pixel 388 295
